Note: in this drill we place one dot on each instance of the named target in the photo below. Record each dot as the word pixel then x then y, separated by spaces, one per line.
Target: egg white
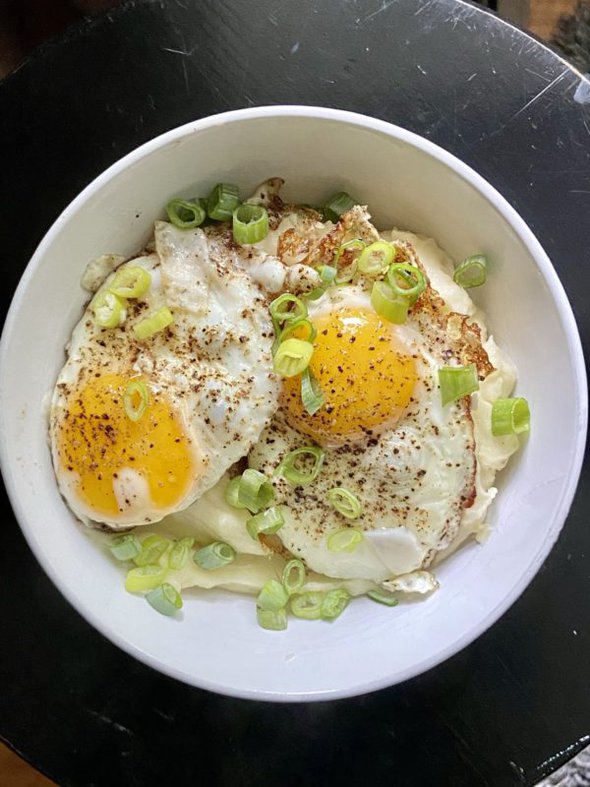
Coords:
pixel 213 365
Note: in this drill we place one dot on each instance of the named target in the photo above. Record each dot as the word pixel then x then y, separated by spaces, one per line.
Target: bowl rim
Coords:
pixel 574 349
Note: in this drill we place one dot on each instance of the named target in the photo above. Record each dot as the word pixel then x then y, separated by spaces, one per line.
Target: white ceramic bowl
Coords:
pixel 407 182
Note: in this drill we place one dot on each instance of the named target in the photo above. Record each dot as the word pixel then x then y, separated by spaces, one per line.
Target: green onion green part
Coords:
pixel 337 205
pixel 345 502
pixel 215 555
pixel 287 308
pixel 108 309
pixel 302 466
pixel 144 578
pixel 179 553
pixel 307 605
pixel 222 202
pixel 232 492
pixel 293 576
pixel 132 282
pixel 347 274
pixel 292 357
pixel 135 400
pixel 327 274
pixel 388 304
pixel 472 272
pixel 249 223
pixel 125 547
pixel 152 549
pixel 265 523
pixel 311 393
pixel 383 597
pixel 273 596
pixel 510 416
pixel 345 540
pixel 255 491
pixel 376 258
pixel 334 603
pixel 273 621
pixel 295 325
pixel 185 214
pixel 406 280
pixel 456 382
pixel 153 324
pixel 165 599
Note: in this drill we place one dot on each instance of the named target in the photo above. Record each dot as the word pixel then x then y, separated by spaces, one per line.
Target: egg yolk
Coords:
pixel 364 371
pixel 96 440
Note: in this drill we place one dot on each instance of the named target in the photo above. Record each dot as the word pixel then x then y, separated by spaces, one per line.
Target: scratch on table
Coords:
pixel 424 7
pixel 384 6
pixel 503 125
pixel 535 98
pixel 183 52
pixel 110 722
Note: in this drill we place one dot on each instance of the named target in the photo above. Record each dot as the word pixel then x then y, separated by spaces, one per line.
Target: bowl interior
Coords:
pixel 408 183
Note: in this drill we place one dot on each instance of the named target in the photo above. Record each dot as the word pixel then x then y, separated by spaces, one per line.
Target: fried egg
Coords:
pixel 208 376
pixel 386 436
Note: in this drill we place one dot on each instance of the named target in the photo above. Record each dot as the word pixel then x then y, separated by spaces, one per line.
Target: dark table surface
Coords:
pixel 512 706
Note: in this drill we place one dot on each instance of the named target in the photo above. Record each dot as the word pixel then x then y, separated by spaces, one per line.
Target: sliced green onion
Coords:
pixel 315 294
pixel 510 416
pixel 255 491
pixel 345 540
pixel 327 273
pixel 222 202
pixel 297 475
pixel 287 308
pixel 152 325
pixel 232 491
pixel 311 393
pixel 185 214
pixel 337 205
pixel 383 597
pixel 376 258
pixel 273 621
pixel 295 325
pixel 179 553
pixel 292 357
pixel 388 304
pixel 108 309
pixel 265 523
pixel 135 399
pixel 293 576
pixel 471 272
pixel 125 547
pixel 456 382
pixel 152 549
pixel 144 578
pixel 165 599
pixel 273 596
pixel 334 603
pixel 215 555
pixel 406 280
pixel 131 282
pixel 345 502
pixel 307 605
pixel 250 223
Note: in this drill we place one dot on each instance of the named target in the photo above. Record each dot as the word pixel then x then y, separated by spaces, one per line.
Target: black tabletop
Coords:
pixel 512 706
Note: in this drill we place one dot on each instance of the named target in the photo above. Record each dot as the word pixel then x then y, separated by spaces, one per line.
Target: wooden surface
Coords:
pixel 545 13
pixel 543 16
